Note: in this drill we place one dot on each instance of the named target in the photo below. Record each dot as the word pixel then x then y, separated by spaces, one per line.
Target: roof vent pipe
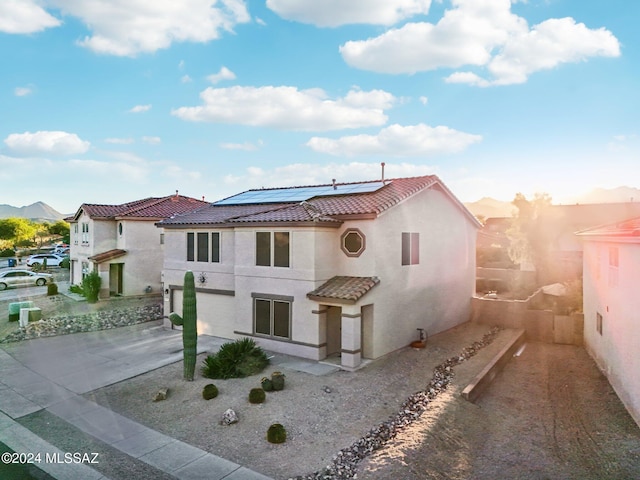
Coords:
pixel 382 165
pixel 333 180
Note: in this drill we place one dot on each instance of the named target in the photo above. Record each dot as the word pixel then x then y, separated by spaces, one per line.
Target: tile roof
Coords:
pixel 152 208
pixel 344 289
pixel 627 228
pixel 330 209
pixel 108 255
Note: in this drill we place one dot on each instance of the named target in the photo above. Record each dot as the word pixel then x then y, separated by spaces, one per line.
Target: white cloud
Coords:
pixel 22 91
pixel 288 108
pixel 424 100
pixel 186 79
pixel 130 27
pixel 332 13
pixel 119 141
pixel 24 16
pixel 397 140
pixel 483 34
pixel 140 109
pixel 223 74
pixel 152 140
pixel 46 142
pixel 247 146
pixel 128 172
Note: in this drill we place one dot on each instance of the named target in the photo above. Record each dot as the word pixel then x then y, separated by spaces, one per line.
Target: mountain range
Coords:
pixel 38 212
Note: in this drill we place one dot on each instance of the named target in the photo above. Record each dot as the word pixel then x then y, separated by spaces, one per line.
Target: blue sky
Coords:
pixel 108 101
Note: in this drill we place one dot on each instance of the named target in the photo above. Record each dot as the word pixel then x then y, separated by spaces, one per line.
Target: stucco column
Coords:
pixel 351 336
pixel 321 314
pixel 103 271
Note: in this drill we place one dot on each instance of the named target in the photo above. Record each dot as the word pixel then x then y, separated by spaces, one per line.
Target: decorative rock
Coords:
pixel 326 389
pixel 101 320
pixel 161 395
pixel 229 417
pixel 345 464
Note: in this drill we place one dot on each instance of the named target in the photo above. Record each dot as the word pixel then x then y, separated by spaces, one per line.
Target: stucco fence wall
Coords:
pixel 504 279
pixel 540 325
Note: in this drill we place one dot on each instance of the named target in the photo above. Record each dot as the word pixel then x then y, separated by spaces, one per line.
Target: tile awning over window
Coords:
pixel 108 255
pixel 343 289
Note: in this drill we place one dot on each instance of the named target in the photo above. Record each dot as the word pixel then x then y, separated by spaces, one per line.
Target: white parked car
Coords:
pixel 53 260
pixel 17 277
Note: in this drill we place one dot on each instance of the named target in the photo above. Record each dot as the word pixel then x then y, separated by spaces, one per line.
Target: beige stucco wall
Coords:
pixel 434 295
pixel 144 257
pixel 616 349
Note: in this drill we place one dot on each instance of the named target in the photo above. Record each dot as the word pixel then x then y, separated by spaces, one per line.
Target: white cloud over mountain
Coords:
pixel 46 142
pixel 333 13
pixel 287 108
pixel 399 141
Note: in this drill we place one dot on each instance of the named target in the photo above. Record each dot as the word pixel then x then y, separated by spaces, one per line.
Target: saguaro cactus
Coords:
pixel 188 323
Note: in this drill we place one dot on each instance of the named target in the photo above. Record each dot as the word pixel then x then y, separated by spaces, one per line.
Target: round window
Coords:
pixel 352 242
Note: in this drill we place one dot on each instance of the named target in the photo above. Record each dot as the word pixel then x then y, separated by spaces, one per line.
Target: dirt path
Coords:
pixel 550 415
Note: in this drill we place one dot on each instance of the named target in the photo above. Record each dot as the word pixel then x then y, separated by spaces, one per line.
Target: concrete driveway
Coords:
pixel 52 374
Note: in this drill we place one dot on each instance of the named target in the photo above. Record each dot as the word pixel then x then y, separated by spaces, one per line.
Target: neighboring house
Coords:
pixel 122 243
pixel 564 220
pixel 349 270
pixel 612 306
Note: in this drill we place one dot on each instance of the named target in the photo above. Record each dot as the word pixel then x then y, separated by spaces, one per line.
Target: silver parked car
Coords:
pixel 17 277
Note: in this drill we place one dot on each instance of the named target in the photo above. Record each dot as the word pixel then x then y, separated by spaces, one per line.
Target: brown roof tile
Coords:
pixel 627 228
pixel 152 208
pixel 344 289
pixel 328 209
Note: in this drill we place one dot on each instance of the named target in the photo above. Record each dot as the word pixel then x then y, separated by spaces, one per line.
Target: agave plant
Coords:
pixel 238 359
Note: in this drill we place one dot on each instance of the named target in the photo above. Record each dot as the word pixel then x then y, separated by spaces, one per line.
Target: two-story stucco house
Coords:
pixel 122 243
pixel 611 275
pixel 348 270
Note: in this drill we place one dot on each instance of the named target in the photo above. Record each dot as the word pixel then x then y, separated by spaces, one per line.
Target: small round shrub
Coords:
pixel 277 380
pixel 65 263
pixel 209 391
pixel 52 289
pixel 267 384
pixel 276 434
pixel 256 395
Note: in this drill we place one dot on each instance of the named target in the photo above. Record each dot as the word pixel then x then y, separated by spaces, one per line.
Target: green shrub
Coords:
pixel 267 384
pixel 257 395
pixel 276 433
pixel 237 359
pixel 65 263
pixel 77 289
pixel 209 391
pixel 91 286
pixel 7 252
pixel 52 289
pixel 277 380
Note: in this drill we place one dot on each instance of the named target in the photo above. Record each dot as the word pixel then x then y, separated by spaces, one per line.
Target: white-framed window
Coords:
pixel 273 249
pixel 75 234
pixel 410 248
pixel 272 315
pixel 85 233
pixel 203 247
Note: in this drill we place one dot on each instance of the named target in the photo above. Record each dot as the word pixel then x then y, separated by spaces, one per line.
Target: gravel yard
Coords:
pixel 551 414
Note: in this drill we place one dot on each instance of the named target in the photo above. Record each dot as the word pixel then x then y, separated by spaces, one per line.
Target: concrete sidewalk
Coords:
pixel 52 373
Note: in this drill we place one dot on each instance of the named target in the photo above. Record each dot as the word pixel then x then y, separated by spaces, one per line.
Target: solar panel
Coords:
pixel 298 194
